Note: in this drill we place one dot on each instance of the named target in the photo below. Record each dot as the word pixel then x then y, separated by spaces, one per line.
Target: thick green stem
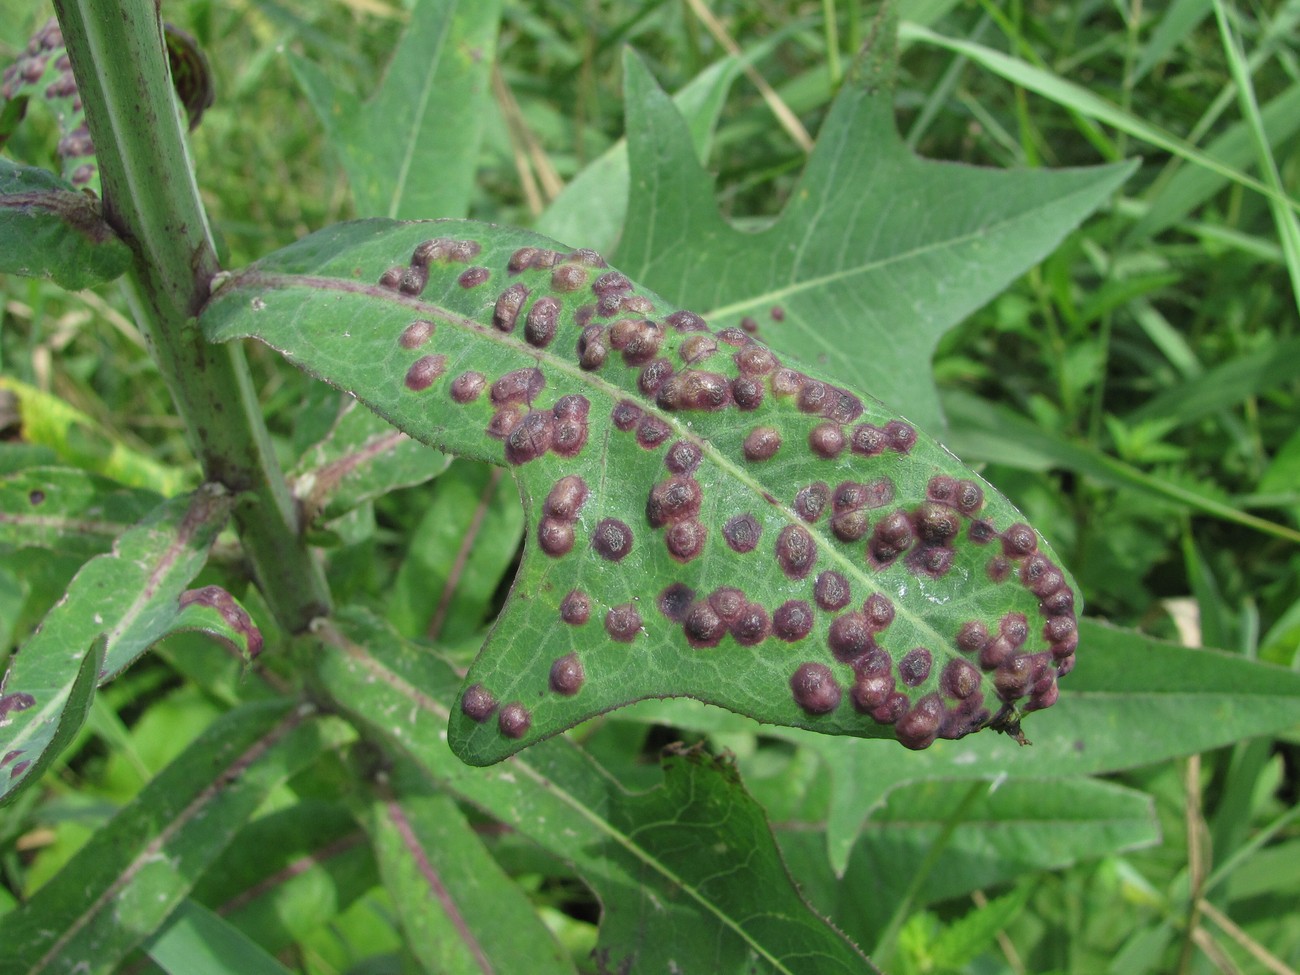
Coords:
pixel 150 198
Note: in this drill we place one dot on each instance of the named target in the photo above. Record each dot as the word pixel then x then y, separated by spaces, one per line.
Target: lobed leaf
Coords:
pixel 688 870
pixel 877 254
pixel 411 148
pixel 119 604
pixel 703 520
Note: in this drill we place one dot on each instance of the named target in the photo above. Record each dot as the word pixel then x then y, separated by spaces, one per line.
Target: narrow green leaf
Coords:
pixel 49 229
pixel 411 149
pixel 79 441
pixel 361 458
pixel 198 942
pixel 130 599
pixel 68 510
pixel 460 911
pixel 124 883
pixel 702 520
pixel 667 890
pixel 877 250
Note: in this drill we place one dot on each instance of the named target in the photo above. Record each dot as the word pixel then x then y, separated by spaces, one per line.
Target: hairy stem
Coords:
pixel 151 199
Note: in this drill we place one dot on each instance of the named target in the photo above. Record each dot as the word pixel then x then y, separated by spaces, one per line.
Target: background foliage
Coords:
pixel 1134 394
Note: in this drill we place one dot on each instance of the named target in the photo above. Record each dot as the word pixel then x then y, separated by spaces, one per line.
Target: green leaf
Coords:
pixel 198 942
pixel 411 149
pixel 126 601
pixel 459 909
pixel 743 533
pixel 68 510
pixel 123 884
pixel 877 254
pixel 49 229
pixel 360 459
pixel 79 441
pixel 688 870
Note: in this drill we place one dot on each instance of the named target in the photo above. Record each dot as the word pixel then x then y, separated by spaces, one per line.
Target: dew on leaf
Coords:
pixel 472 277
pixel 416 334
pixel 514 720
pixel 567 675
pixel 477 703
pixel 683 457
pixel 540 322
pixel 612 539
pixel 810 501
pixel 687 321
pixel 575 608
pixel 815 688
pixel 424 371
pixel 506 310
pixel 793 620
pixel 468 386
pixel 831 591
pixel 762 443
pixel 826 440
pixel 742 533
pixel 623 623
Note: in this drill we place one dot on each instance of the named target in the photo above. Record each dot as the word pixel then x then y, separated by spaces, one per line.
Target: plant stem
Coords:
pixel 151 200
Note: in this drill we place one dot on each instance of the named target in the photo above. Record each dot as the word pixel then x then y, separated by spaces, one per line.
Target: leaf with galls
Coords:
pixel 703 519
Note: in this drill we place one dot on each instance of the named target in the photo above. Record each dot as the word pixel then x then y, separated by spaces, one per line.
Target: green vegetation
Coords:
pixel 1097 314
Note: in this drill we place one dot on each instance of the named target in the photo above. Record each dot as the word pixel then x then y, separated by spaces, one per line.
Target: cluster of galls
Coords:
pixel 43 51
pixel 9 703
pixel 921 705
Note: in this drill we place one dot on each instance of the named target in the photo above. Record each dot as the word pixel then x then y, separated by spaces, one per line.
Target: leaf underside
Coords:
pixel 701 520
